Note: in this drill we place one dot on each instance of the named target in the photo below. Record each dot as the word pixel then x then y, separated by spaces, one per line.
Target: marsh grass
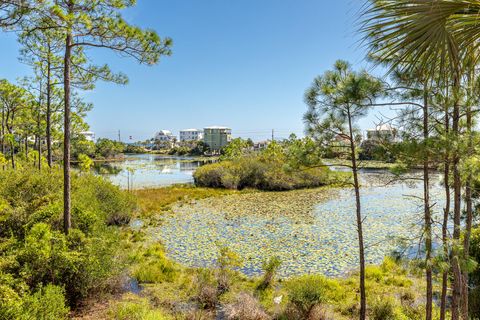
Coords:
pixel 154 201
pixel 190 293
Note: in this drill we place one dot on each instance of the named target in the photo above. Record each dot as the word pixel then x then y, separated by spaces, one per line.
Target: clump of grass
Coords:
pixel 154 267
pixel 270 267
pixel 307 291
pixel 246 307
pixel 135 308
pixel 208 296
pixel 384 309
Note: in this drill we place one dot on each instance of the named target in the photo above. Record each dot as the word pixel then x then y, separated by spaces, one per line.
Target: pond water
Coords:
pixel 311 232
pixel 149 170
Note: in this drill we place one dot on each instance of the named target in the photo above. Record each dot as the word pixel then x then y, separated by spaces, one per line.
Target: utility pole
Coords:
pixel 119 140
pixel 273 135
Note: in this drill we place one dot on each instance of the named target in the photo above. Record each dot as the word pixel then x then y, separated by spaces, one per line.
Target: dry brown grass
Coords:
pixel 246 307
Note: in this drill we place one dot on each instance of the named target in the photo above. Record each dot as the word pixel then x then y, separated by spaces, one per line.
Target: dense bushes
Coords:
pixel 46 303
pixel 41 269
pixel 293 164
pixel 308 291
pixel 254 172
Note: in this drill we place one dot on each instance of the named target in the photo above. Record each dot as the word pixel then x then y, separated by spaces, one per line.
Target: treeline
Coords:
pixel 58 237
pixel 54 38
pixel 102 149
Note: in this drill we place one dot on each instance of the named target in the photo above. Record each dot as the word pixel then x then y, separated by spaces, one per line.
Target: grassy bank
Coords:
pixel 159 200
pixel 171 291
pixel 47 275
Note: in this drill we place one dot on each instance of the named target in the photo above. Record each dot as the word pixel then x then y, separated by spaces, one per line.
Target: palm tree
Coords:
pixel 435 36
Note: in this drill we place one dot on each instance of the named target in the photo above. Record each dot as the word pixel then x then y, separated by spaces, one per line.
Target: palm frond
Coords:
pixel 427 35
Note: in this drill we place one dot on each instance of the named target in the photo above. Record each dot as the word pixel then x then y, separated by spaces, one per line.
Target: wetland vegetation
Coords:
pixel 273 233
pixel 291 164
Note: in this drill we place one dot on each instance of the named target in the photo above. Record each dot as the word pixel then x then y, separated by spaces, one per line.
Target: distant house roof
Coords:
pixel 216 127
pixel 164 133
pixel 189 130
pixel 383 127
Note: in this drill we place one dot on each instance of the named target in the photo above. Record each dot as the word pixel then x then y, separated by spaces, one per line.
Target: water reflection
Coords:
pixel 150 171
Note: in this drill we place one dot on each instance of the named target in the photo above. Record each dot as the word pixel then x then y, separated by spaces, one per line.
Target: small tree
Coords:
pixel 335 102
pixel 92 24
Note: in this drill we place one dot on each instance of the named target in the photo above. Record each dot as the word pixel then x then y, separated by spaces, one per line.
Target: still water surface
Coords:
pixel 323 242
pixel 150 171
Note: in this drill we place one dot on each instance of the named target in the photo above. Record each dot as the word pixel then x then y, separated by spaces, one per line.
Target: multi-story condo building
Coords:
pixel 217 137
pixel 190 135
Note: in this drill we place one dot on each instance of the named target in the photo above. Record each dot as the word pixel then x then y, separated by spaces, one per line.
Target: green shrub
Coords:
pixel 256 172
pixel 307 291
pixel 374 273
pixel 227 260
pixel 384 309
pixel 154 266
pixel 28 196
pixel 77 262
pixel 10 303
pixel 34 250
pixel 46 303
pixel 95 194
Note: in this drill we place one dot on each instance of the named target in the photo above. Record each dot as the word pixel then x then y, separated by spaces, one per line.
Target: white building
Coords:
pixel 89 135
pixel 383 132
pixel 164 136
pixel 261 145
pixel 189 135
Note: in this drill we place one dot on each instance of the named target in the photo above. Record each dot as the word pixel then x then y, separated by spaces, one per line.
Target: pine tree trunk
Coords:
pixel 49 111
pixel 446 216
pixel 26 147
pixel 12 140
pixel 2 139
pixel 356 184
pixel 457 198
pixel 469 219
pixel 39 125
pixel 66 136
pixel 427 213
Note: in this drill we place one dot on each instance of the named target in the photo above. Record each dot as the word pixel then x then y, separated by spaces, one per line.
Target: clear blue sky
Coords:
pixel 243 64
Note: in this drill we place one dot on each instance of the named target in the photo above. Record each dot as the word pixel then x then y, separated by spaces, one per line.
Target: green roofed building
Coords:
pixel 217 137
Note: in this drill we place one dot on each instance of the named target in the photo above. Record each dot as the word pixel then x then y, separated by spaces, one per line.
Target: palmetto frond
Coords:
pixel 430 35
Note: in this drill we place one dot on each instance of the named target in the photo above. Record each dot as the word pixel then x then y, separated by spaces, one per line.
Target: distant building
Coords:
pixel 189 135
pixel 383 132
pixel 164 136
pixel 89 135
pixel 261 145
pixel 217 137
